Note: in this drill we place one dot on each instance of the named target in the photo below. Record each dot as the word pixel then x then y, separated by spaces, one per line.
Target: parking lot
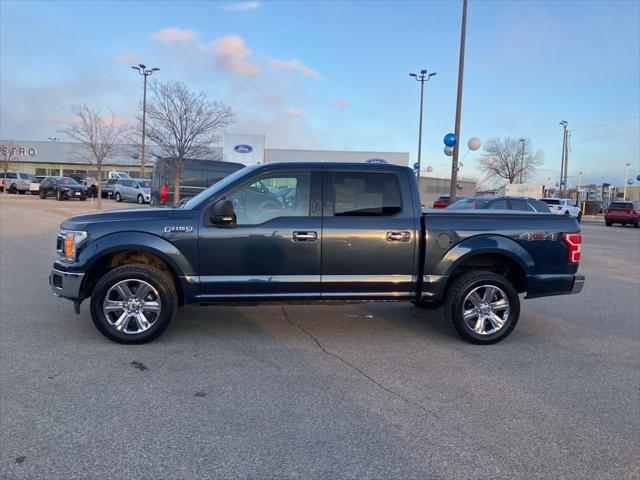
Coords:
pixel 375 391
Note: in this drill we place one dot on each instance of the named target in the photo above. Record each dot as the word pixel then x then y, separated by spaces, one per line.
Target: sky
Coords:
pixel 334 75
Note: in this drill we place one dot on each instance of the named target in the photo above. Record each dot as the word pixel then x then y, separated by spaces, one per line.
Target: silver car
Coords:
pixel 132 189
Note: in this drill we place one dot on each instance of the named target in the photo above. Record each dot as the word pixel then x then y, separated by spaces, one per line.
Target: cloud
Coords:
pixel 173 35
pixel 340 103
pixel 232 54
pixel 295 65
pixel 293 112
pixel 241 6
pixel 129 57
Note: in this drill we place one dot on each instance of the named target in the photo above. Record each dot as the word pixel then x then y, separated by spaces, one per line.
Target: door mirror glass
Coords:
pixel 222 213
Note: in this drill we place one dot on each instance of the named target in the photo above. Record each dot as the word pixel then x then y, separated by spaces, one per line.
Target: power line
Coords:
pixel 606 124
pixel 608 136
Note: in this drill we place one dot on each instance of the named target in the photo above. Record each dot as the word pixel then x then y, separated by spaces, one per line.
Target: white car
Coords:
pixel 34 186
pixel 563 206
pixel 16 182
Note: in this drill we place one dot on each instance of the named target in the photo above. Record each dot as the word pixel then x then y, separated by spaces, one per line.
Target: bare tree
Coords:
pixel 184 124
pixel 7 153
pixel 100 136
pixel 505 159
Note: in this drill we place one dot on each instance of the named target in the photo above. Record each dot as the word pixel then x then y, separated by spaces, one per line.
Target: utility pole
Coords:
pixel 145 72
pixel 626 179
pixel 564 124
pixel 456 148
pixel 422 77
pixel 522 159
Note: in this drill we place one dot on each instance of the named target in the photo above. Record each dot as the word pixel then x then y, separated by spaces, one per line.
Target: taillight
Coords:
pixel 573 241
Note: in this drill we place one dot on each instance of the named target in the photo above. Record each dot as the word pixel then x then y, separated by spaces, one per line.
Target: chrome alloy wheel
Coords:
pixel 131 306
pixel 485 309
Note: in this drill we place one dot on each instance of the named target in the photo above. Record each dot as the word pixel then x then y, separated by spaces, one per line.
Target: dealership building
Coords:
pixel 66 158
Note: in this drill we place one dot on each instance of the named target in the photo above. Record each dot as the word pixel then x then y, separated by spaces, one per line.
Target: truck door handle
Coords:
pixel 305 236
pixel 398 236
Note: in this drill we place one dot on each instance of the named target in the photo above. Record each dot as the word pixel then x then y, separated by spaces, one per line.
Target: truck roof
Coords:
pixel 329 166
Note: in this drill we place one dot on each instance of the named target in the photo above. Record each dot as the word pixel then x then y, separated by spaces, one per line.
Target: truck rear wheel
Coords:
pixel 484 307
pixel 133 303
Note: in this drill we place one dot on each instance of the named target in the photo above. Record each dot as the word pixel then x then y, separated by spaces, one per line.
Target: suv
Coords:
pixel 136 190
pixel 563 206
pixel 63 188
pixel 15 182
pixel 625 213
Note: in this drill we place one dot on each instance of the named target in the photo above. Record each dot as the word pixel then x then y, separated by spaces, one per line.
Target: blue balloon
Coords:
pixel 450 139
pixel 416 166
pixel 638 178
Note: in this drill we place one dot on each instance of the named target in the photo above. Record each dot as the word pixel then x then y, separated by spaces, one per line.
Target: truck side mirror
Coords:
pixel 222 213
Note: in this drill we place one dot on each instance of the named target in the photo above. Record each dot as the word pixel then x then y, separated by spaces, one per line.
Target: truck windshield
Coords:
pixel 220 184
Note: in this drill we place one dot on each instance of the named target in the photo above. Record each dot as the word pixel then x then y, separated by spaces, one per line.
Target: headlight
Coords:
pixel 71 239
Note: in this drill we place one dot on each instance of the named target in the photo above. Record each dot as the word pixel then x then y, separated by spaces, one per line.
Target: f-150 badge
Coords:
pixel 182 229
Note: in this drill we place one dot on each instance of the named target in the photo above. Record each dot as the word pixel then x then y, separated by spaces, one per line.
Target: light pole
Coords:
pixel 422 77
pixel 522 140
pixel 626 179
pixel 145 72
pixel 564 124
pixel 579 187
pixel 456 149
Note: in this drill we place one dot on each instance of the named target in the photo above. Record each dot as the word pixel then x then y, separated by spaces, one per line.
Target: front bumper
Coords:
pixel 66 284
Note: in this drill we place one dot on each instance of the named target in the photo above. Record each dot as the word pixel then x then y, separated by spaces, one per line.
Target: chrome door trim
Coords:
pixel 254 279
pixel 396 278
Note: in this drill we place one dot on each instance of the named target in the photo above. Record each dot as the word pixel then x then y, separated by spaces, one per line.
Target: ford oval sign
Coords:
pixel 243 148
pixel 376 160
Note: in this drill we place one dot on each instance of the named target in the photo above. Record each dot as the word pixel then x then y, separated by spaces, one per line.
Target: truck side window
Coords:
pixel 364 194
pixel 272 196
pixel 499 205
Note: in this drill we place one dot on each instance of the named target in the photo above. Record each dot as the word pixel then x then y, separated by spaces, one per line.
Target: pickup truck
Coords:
pixel 350 232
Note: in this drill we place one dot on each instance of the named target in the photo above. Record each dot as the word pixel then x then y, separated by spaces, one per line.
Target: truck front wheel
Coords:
pixel 133 303
pixel 484 307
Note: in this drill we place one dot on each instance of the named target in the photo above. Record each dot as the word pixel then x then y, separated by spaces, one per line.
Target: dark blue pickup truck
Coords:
pixel 313 232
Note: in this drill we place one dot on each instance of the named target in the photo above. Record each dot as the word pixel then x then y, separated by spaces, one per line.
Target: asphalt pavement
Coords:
pixel 367 391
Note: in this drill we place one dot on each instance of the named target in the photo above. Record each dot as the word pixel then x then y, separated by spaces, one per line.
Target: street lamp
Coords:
pixel 422 77
pixel 626 179
pixel 145 72
pixel 522 140
pixel 563 173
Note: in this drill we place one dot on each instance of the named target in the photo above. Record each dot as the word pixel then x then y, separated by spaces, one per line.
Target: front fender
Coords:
pixel 145 242
pixel 482 245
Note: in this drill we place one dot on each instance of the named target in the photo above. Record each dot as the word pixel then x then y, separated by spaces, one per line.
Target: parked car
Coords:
pixel 90 182
pixel 563 206
pixel 34 186
pixel 196 176
pixel 63 188
pixel 16 182
pixel 134 190
pixel 354 232
pixel 443 201
pixel 500 202
pixel 626 213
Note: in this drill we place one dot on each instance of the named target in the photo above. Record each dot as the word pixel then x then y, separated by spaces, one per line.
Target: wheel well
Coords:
pixel 496 263
pixel 125 257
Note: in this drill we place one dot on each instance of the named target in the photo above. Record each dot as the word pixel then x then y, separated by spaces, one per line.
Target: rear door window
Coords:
pixel 499 205
pixel 521 205
pixel 353 194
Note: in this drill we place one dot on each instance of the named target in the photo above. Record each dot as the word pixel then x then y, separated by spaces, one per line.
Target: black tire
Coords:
pixel 42 194
pixel 140 199
pixel 579 217
pixel 59 195
pixel 463 286
pixel 13 189
pixel 22 192
pixel 167 297
pixel 608 224
pixel 427 305
pixel 636 225
pixel 117 197
pixel 83 199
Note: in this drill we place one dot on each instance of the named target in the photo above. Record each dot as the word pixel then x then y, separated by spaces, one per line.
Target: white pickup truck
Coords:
pixel 563 206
